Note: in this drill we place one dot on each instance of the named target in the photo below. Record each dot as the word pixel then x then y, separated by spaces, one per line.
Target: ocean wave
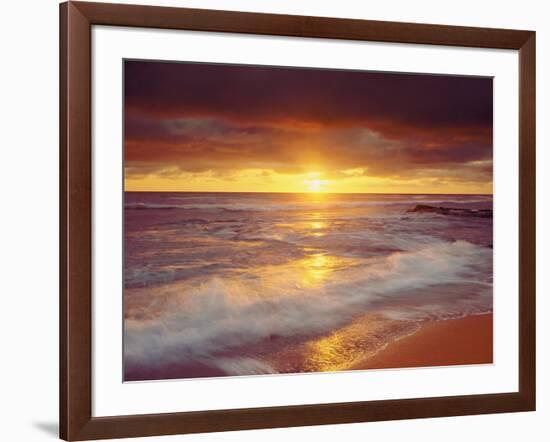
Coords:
pixel 263 206
pixel 223 313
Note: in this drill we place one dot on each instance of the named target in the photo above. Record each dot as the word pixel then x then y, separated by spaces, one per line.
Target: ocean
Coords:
pixel 232 284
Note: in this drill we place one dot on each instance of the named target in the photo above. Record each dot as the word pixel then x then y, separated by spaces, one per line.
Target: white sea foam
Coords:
pixel 228 312
pixel 239 365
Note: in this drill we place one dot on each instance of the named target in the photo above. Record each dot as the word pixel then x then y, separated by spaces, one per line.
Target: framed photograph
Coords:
pixel 272 220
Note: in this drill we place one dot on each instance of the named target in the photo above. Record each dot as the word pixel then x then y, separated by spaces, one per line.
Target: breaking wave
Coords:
pixel 224 313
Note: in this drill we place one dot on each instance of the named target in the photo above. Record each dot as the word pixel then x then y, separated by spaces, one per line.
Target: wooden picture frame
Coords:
pixel 76 21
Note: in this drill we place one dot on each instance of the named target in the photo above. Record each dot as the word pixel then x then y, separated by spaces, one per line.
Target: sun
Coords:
pixel 314 185
pixel 313 182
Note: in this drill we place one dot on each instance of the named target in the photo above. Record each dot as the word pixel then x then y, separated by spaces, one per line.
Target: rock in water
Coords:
pixel 478 213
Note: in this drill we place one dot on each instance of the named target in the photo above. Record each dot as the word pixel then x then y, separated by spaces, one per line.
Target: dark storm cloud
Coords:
pixel 311 95
pixel 205 117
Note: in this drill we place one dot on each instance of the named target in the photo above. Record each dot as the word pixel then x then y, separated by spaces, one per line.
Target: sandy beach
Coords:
pixel 453 342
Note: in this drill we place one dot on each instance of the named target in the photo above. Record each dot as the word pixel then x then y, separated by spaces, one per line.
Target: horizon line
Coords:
pixel 306 193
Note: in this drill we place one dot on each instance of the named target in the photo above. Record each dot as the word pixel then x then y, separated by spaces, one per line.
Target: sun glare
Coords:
pixel 313 182
pixel 314 185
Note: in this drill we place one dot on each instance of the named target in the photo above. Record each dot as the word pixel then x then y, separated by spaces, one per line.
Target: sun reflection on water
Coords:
pixel 363 338
pixel 317 228
pixel 316 268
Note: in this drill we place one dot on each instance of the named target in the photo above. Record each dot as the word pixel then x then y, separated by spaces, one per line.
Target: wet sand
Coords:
pixel 453 342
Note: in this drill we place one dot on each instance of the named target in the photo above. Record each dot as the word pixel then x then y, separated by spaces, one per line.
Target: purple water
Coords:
pixel 250 283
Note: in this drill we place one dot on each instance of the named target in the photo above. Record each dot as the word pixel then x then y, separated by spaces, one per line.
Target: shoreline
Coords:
pixel 463 341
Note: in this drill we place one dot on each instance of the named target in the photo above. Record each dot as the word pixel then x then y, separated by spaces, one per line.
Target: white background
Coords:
pixel 112 397
pixel 28 243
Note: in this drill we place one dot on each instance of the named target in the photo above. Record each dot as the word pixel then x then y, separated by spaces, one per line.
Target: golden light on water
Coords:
pixel 315 269
pixel 317 228
pixel 309 272
pixel 329 354
pixel 360 340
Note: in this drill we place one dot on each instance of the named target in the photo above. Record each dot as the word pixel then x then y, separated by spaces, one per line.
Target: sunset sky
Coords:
pixel 206 127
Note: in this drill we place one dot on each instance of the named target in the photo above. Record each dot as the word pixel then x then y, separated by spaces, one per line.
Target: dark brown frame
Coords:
pixel 76 421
